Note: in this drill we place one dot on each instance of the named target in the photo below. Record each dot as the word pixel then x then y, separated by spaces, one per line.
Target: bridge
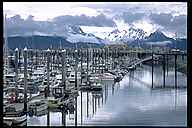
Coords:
pixel 164 58
pixel 136 62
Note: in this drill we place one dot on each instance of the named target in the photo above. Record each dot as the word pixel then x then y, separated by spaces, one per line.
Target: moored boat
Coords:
pixel 13 116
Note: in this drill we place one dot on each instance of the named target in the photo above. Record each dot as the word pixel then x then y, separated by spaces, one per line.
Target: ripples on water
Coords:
pixel 130 102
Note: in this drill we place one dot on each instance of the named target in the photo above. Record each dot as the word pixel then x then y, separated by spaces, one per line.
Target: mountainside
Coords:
pixel 80 36
pixel 157 36
pixel 71 33
pixel 45 42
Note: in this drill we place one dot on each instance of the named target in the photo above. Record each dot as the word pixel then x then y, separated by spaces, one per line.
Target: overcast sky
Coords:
pixel 170 17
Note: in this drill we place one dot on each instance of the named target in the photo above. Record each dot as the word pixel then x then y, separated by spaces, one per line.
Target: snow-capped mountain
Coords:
pixel 115 34
pixel 157 36
pixel 71 33
pixel 100 32
pixel 75 34
pixel 130 34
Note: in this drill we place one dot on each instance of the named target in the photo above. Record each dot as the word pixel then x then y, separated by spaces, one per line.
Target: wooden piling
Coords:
pixel 87 104
pixel 81 108
pixel 81 65
pixel 167 64
pixel 25 79
pixel 64 69
pixel 102 60
pixel 99 102
pixel 113 89
pixel 164 70
pixel 87 65
pixel 16 72
pixel 102 98
pixel 48 118
pixel 64 118
pixel 75 111
pixel 48 72
pixel 175 71
pixel 76 64
pixel 152 70
pixel 36 61
pixel 93 106
pixel 105 94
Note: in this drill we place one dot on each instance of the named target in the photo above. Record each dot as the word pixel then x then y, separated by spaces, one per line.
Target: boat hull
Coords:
pixel 14 120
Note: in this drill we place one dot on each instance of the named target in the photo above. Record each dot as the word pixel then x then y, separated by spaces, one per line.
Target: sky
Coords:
pixel 145 15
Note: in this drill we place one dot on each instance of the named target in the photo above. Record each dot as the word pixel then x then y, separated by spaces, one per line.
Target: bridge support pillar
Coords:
pixel 167 64
pixel 25 79
pixel 152 70
pixel 176 71
pixel 48 117
pixel 164 70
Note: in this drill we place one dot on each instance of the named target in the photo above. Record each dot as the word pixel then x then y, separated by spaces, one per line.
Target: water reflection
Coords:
pixel 130 102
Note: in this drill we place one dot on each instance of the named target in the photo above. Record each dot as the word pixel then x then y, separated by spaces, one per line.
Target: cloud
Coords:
pixel 18 25
pixel 161 19
pixel 100 20
pixel 171 23
pixel 169 16
pixel 130 17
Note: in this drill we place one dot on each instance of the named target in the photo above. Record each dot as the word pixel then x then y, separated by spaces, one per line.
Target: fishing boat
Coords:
pixel 118 78
pixel 13 116
pixel 37 106
pixel 130 68
pixel 57 91
pixel 96 87
pixel 94 78
pixel 85 87
pixel 108 76
pixel 67 103
pixel 54 102
pixel 97 94
pixel 71 79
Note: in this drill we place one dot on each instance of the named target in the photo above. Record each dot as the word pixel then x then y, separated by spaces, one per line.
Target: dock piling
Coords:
pixel 64 69
pixel 164 70
pixel 25 79
pixel 152 70
pixel 48 71
pixel 176 71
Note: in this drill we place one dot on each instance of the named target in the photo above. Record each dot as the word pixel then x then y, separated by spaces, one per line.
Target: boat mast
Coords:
pixel 175 40
pixel 5 48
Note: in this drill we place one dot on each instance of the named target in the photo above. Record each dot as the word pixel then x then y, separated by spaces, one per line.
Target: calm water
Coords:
pixel 130 102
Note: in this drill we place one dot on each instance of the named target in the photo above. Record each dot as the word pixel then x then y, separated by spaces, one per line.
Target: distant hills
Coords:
pixel 157 38
pixel 74 36
pixel 45 42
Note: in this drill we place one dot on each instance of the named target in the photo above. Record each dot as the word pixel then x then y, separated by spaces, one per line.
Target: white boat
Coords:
pixel 96 87
pixel 13 116
pixel 10 76
pixel 94 78
pixel 71 79
pixel 108 76
pixel 85 87
pixel 37 106
pixel 38 73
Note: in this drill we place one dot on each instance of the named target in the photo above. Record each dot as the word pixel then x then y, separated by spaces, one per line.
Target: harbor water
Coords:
pixel 129 102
